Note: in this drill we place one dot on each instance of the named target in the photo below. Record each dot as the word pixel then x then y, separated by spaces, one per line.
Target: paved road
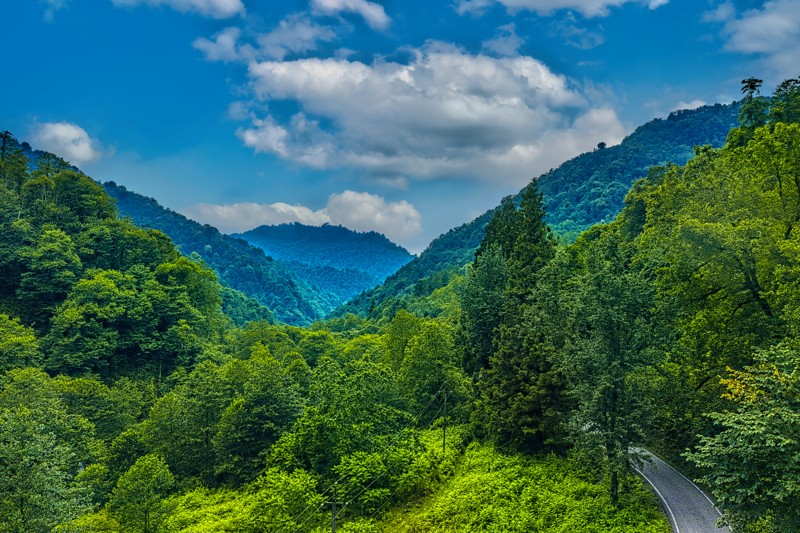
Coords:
pixel 688 508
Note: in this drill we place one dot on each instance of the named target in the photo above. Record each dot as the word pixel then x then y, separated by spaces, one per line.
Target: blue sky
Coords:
pixel 407 117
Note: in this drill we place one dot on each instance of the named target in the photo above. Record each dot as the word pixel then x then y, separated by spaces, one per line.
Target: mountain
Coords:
pixel 333 246
pixel 333 259
pixel 238 264
pixel 587 189
pixel 591 187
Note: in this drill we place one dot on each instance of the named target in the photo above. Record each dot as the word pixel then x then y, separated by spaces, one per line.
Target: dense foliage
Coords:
pixel 129 401
pixel 239 265
pixel 675 326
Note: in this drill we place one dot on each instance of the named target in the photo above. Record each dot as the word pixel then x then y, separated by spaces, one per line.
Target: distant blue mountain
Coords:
pixel 332 259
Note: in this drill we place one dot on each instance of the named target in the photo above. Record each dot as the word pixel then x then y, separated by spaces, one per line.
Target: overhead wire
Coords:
pixel 415 420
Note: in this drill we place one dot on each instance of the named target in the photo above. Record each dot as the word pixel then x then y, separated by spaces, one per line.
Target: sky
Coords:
pixel 407 117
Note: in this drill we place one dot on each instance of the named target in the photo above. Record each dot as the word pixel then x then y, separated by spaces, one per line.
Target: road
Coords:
pixel 689 509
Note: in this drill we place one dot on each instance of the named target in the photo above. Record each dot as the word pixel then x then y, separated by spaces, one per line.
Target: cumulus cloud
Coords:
pixel 210 8
pixel 506 42
pixel 444 114
pixel 296 34
pixel 771 33
pixel 362 211
pixel 224 46
pixel 723 12
pixel 372 13
pixel 359 211
pixel 66 140
pixel 589 8
pixel 231 218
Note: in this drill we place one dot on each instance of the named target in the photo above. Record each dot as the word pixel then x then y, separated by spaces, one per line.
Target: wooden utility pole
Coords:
pixel 333 504
pixel 444 426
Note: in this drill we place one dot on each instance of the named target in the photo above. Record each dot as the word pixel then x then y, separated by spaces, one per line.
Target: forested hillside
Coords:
pixel 583 191
pixel 239 265
pixel 333 259
pixel 591 187
pixel 333 246
pixel 512 397
pixel 130 402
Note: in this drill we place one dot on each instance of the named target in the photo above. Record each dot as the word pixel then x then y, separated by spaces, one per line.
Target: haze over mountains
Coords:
pixel 332 259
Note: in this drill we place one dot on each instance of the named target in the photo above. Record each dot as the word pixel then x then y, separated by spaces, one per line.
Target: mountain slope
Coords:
pixel 585 190
pixel 333 246
pixel 239 265
pixel 332 259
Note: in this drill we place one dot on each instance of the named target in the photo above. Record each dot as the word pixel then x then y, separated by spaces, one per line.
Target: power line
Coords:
pixel 415 420
pixel 391 494
pixel 385 470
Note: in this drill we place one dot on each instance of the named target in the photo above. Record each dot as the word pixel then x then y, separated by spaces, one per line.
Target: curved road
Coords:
pixel 689 509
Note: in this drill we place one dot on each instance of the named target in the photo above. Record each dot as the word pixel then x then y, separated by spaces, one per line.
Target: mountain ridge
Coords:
pixel 582 191
pixel 237 263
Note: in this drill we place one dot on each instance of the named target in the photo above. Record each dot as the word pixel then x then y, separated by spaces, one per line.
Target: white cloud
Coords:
pixel 359 211
pixel 475 7
pixel 66 140
pixel 231 218
pixel 266 136
pixel 210 8
pixel 296 34
pixel 723 12
pixel 224 47
pixel 589 8
pixel 51 7
pixel 506 42
pixel 771 33
pixel 694 104
pixel 445 114
pixel 575 35
pixel 372 13
pixel 362 211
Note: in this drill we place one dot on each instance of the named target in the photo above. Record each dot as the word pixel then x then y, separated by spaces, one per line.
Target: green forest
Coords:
pixel 139 395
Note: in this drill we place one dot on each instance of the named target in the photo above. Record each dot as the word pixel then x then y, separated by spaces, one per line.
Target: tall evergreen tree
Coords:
pixel 534 244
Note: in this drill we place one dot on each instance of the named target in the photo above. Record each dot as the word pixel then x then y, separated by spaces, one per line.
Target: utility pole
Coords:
pixel 333 504
pixel 444 426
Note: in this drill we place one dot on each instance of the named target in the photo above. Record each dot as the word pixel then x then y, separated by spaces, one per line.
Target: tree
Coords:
pixel 501 229
pixel 785 103
pixel 265 406
pixel 481 301
pixel 533 247
pixel 752 462
pixel 13 165
pixel 752 114
pixel 18 344
pixel 137 497
pixel 524 399
pixel 52 270
pixel 42 446
pixel 720 241
pixel 609 341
